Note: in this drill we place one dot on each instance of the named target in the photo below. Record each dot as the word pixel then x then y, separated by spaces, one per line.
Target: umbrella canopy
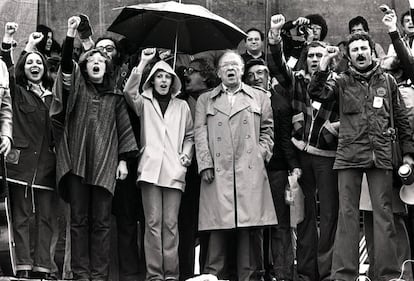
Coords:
pixel 185 28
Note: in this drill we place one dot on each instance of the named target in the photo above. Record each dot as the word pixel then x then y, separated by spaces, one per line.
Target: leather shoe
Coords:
pixel 23 274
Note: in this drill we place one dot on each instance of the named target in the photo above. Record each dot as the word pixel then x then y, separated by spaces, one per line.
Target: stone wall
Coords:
pixel 244 13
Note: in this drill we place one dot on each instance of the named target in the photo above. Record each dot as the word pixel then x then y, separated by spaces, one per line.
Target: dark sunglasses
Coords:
pixel 190 70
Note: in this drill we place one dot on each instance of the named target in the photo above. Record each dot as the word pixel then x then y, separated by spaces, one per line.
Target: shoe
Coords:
pixel 23 274
pixel 40 275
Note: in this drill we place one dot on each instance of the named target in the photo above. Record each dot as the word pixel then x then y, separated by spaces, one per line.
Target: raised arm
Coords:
pixel 403 54
pixel 283 72
pixel 321 88
pixel 131 89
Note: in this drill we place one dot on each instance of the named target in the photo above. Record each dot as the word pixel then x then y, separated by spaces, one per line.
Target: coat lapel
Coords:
pixel 240 103
pixel 222 103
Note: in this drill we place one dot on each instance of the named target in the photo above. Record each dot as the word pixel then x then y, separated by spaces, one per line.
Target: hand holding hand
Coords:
pixel 185 161
pixel 207 175
pixel 121 170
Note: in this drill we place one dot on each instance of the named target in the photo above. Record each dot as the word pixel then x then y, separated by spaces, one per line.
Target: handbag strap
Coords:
pixel 387 79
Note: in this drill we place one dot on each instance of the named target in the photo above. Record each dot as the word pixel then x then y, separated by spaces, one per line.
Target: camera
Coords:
pixel 303 29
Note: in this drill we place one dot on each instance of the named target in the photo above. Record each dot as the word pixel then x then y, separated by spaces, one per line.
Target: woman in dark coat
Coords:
pixel 31 163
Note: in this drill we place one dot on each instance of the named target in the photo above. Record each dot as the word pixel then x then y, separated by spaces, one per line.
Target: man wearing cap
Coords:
pixel 283 161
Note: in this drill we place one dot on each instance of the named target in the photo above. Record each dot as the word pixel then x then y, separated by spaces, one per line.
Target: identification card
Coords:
pixel 378 101
pixel 316 105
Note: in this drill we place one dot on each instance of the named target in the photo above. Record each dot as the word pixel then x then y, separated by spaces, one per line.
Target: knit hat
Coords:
pixel 319 20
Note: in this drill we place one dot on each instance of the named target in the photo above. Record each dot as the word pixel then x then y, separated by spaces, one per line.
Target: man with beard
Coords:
pixel 199 77
pixel 284 159
pixel 365 95
pixel 315 130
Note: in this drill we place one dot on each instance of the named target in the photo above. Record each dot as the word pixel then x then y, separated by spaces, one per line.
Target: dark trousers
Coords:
pixel 127 207
pixel 314 255
pixel 280 245
pixel 22 211
pixel 249 253
pixel 188 223
pixel 90 229
pixel 346 251
pixel 403 244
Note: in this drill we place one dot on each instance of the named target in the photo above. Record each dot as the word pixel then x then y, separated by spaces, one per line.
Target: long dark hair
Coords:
pixel 41 46
pixel 21 78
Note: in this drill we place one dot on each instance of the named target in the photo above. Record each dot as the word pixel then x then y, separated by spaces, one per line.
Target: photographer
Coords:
pixel 300 32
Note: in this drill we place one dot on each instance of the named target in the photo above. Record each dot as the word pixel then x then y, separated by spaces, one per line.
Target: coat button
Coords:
pixel 249 151
pixel 250 166
pixel 244 121
pixel 219 123
pixel 218 138
pixel 218 169
pixel 248 137
pixel 218 154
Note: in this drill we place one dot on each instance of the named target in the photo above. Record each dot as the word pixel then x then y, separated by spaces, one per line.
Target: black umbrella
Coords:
pixel 185 28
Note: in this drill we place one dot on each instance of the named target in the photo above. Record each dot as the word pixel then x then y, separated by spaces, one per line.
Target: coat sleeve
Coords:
pixel 401 119
pixel 6 113
pixel 132 96
pixel 203 154
pixel 285 125
pixel 323 89
pixel 266 135
pixel 126 137
pixel 283 72
pixel 188 143
pixel 403 54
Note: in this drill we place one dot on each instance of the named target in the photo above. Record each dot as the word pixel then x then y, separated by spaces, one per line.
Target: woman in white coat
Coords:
pixel 167 147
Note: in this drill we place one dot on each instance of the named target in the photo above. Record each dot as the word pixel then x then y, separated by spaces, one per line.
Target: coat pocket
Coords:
pixel 14 155
pixel 351 104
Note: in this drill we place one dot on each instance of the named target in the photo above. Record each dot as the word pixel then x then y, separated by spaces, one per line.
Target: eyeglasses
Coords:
pixel 190 70
pixel 259 72
pixel 231 64
pixel 108 48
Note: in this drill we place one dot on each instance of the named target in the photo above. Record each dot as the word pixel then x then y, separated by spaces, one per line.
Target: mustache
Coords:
pixel 360 57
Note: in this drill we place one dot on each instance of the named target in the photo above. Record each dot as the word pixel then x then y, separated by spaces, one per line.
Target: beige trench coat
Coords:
pixel 235 141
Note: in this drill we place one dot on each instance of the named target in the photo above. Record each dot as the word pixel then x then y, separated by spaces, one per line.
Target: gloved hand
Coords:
pixel 84 28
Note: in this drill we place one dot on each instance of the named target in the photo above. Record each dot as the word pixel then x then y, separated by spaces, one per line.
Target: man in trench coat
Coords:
pixel 234 140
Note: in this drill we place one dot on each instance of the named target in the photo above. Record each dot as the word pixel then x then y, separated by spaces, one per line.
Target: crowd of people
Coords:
pixel 200 153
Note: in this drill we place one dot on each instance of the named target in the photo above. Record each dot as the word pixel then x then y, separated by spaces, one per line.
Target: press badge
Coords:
pixel 316 105
pixel 378 101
